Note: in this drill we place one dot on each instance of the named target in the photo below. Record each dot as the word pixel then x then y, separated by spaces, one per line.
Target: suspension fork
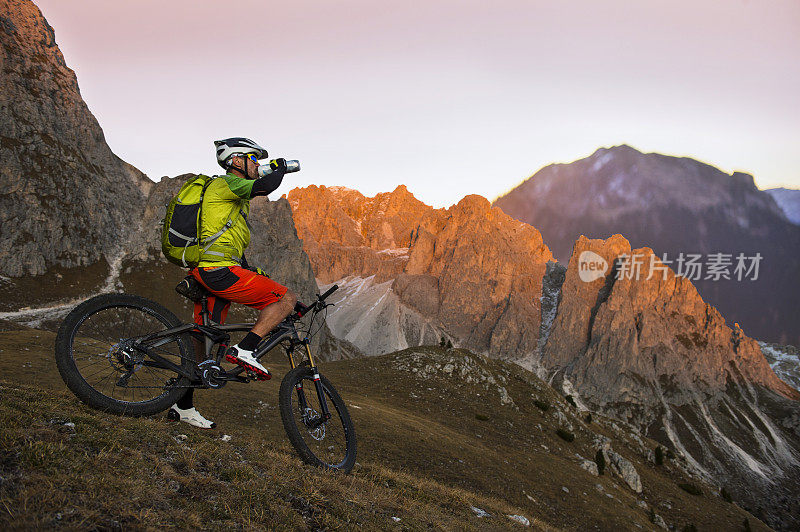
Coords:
pixel 301 396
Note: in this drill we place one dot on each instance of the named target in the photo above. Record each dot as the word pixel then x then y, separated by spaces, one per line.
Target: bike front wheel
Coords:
pixel 324 443
pixel 96 357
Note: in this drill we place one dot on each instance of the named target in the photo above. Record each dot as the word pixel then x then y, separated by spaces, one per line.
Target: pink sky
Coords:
pixel 449 98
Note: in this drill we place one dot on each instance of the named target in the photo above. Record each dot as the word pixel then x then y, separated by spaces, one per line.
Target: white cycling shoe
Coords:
pixel 245 358
pixel 190 416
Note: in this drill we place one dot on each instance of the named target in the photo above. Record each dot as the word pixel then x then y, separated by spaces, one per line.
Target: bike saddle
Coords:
pixel 191 289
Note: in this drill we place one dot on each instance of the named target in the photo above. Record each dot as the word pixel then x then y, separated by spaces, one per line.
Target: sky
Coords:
pixel 447 97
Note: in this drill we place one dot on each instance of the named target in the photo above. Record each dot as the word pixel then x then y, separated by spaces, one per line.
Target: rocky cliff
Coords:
pixel 674 205
pixel 64 196
pixel 413 275
pixel 650 351
pixel 346 233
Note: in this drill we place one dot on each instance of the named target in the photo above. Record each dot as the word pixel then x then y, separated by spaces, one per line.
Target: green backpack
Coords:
pixel 179 236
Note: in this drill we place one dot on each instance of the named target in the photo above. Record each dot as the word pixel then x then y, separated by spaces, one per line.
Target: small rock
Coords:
pixel 599 487
pixel 642 505
pixel 225 437
pixel 479 512
pixel 590 466
pixel 520 519
pixel 70 425
pixel 181 437
pixel 564 489
pixel 659 522
pixel 395 519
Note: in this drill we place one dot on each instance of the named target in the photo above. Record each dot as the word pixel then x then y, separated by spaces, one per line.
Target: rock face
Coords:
pixel 470 273
pixel 652 352
pixel 64 196
pixel 480 273
pixel 674 205
pixel 346 233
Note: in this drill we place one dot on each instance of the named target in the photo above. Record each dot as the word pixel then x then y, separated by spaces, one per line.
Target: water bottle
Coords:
pixel 291 166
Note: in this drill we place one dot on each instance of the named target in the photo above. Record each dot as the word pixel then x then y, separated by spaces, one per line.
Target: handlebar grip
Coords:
pixel 331 290
pixel 301 309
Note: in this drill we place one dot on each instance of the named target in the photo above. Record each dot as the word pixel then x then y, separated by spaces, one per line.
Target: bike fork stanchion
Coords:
pixel 323 403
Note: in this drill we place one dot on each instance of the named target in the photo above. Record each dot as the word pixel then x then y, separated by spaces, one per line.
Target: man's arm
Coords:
pixel 267 184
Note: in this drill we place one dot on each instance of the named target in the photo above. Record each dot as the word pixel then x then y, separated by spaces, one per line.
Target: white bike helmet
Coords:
pixel 227 148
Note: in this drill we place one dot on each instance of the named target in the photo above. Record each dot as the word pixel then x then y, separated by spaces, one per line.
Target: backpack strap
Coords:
pixel 213 238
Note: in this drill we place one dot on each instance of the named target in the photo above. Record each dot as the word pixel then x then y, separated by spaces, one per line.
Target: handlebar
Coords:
pixel 331 290
pixel 301 309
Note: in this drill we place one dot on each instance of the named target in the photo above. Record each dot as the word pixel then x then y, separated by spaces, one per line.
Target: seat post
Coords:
pixel 206 320
pixel 204 310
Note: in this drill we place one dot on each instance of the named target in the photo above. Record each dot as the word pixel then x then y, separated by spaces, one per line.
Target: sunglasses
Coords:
pixel 251 157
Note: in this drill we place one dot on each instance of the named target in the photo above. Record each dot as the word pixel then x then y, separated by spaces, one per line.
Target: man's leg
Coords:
pixel 274 301
pixel 273 314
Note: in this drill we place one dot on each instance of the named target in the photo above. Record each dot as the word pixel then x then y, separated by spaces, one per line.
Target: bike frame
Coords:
pixel 217 334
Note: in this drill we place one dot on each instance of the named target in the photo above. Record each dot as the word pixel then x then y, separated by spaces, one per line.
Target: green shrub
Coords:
pixel 565 435
pixel 690 488
pixel 690 528
pixel 588 418
pixel 449 344
pixel 482 417
pixel 652 515
pixel 571 401
pixel 659 455
pixel 725 494
pixel 544 406
pixel 442 342
pixel 746 525
pixel 600 460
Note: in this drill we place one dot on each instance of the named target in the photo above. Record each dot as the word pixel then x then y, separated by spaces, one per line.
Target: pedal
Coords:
pixel 256 377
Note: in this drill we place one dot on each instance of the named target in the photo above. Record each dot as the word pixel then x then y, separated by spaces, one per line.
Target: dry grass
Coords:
pixel 425 456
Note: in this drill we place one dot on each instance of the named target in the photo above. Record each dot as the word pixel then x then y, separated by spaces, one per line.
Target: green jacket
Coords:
pixel 226 201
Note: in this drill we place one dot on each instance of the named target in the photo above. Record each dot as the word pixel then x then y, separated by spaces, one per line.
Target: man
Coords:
pixel 223 269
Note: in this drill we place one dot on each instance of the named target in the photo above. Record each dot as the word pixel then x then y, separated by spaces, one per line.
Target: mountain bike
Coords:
pixel 128 355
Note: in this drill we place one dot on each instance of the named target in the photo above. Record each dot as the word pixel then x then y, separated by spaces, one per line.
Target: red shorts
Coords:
pixel 234 283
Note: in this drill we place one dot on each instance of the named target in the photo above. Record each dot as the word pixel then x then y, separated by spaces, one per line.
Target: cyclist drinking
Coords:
pixel 223 269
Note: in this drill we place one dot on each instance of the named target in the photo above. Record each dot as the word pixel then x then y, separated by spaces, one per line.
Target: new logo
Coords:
pixel 591 266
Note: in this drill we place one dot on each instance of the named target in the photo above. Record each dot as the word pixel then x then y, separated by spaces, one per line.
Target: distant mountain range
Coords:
pixel 675 205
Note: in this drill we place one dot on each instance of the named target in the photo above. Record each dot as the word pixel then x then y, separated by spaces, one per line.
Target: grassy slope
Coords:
pixel 426 454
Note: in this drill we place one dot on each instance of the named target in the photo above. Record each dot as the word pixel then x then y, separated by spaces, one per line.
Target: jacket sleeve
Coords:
pixel 266 184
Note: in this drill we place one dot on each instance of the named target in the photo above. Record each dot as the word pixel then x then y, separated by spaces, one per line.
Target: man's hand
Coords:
pixel 259 271
pixel 278 165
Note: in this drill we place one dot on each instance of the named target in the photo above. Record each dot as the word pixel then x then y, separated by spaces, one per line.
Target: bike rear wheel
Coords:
pixel 97 362
pixel 330 444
